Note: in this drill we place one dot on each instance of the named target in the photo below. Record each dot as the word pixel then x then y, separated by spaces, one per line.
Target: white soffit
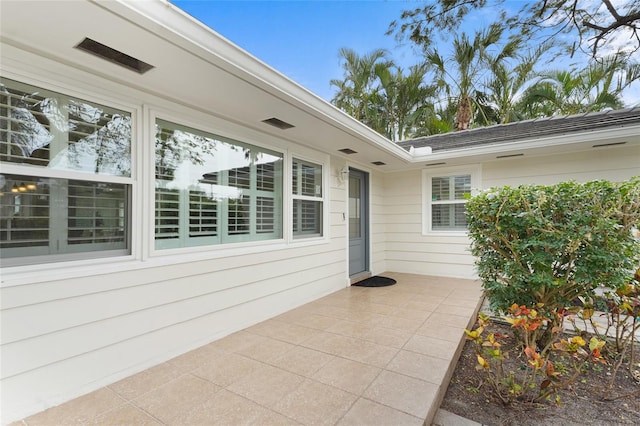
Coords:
pixel 194 66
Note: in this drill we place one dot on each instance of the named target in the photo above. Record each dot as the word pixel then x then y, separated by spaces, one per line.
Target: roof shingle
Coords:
pixel 529 129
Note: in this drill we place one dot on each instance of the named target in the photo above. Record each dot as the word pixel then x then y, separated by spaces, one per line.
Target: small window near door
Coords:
pixel 307 193
pixel 446 196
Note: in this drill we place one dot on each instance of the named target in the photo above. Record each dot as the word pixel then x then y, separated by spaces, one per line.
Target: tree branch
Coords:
pixel 612 10
pixel 622 21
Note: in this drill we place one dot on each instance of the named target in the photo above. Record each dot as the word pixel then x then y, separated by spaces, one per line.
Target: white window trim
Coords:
pixel 207 125
pixel 323 162
pixel 133 180
pixel 474 170
pixel 219 127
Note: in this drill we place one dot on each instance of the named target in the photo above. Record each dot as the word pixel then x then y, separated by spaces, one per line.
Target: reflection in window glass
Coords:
pixel 46 216
pixel 211 190
pixel 52 216
pixel 48 129
pixel 355 223
pixel 307 179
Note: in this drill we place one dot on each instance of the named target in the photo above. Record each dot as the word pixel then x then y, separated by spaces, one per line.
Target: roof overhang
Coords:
pixel 196 67
pixel 193 66
pixel 553 145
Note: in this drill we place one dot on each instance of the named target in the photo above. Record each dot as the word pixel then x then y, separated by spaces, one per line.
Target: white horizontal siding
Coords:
pixel 407 250
pixel 105 322
pixel 67 313
pixel 613 163
pixel 426 267
pixel 89 370
pixel 450 247
pixel 30 294
pixel 63 338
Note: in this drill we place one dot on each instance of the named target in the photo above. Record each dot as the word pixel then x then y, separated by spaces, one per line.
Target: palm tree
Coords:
pixel 508 82
pixel 403 101
pixel 380 95
pixel 442 120
pixel 593 88
pixel 458 76
pixel 360 82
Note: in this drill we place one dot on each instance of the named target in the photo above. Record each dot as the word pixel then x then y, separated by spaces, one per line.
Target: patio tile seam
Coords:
pixel 142 410
pixel 109 387
pixel 140 398
pixel 357 359
pixel 371 329
pixel 390 406
pixel 294 390
pixel 358 397
pixel 442 358
pixel 297 343
pixel 147 413
pixel 129 400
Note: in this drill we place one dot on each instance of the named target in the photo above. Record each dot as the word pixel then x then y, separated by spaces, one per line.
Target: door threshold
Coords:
pixel 359 277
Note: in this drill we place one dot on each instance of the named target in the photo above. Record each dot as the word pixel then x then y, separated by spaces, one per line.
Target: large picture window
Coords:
pixel 307 199
pixel 211 190
pixel 67 191
pixel 446 197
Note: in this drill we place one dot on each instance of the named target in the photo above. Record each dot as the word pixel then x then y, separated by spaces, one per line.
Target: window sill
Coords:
pixel 445 233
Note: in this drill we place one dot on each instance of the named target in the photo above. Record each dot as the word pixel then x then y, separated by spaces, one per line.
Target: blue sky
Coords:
pixel 301 38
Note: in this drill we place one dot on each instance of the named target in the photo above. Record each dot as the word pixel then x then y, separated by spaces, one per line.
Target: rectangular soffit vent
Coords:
pixel 347 151
pixel 509 155
pixel 378 163
pixel 114 56
pixel 435 164
pixel 276 122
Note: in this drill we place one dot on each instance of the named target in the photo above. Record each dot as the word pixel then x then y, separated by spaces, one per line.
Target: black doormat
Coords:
pixel 376 281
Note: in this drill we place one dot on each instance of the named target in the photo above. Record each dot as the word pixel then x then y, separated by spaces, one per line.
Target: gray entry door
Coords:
pixel 358 222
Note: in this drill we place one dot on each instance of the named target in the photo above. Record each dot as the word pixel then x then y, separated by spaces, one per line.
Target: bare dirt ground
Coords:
pixel 585 402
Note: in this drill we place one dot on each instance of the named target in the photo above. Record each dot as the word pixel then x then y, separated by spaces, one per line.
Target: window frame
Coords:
pixel 130 181
pixel 320 199
pixel 474 171
pixel 217 130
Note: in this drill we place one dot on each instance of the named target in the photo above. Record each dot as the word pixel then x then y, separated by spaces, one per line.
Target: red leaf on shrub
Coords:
pixel 530 352
pixel 533 326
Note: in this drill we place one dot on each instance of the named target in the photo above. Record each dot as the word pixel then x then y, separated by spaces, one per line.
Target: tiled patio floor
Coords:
pixel 360 356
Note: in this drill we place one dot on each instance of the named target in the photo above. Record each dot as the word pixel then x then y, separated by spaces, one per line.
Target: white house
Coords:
pixel 161 188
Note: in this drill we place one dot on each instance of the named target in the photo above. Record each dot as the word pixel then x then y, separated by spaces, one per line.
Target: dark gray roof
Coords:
pixel 529 129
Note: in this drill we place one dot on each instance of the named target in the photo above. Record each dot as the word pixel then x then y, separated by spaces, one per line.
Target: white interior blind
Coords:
pixel 46 216
pixel 307 198
pixel 212 190
pixel 448 198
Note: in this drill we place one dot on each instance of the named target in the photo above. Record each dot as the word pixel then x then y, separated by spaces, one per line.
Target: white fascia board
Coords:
pixel 181 29
pixel 527 144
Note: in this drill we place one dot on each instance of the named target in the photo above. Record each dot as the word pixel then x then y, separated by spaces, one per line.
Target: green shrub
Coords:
pixel 544 246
